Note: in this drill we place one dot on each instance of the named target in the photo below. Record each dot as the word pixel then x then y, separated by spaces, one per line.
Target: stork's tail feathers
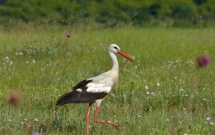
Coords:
pixel 65 98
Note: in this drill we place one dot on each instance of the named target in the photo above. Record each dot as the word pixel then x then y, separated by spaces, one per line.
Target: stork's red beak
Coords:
pixel 125 55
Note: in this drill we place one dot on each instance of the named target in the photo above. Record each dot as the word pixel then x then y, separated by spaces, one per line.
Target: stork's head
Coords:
pixel 115 49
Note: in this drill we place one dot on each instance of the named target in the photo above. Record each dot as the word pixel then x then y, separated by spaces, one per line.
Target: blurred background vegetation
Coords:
pixel 110 12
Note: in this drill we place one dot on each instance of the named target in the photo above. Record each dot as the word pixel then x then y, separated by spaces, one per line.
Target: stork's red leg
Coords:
pixel 104 122
pixel 88 119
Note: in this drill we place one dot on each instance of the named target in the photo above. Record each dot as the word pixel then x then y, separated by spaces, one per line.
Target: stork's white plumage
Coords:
pixel 96 88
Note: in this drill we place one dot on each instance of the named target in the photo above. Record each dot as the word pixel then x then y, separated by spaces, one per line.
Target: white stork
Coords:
pixel 96 88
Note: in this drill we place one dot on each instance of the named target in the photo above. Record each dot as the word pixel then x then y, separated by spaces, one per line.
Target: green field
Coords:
pixel 41 63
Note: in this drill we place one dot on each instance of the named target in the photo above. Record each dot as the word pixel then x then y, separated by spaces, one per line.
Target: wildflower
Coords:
pixel 9 120
pixel 13 98
pixel 177 61
pixel 208 118
pixel 146 87
pixel 35 133
pixel 158 84
pixel 68 35
pixel 203 60
pixel 36 120
pixel 211 123
pixel 6 59
pixel 33 61
pixel 11 63
pixel 67 124
pixel 147 93
pixel 124 96
pixel 22 123
pixel 19 53
pixel 55 112
pixel 181 89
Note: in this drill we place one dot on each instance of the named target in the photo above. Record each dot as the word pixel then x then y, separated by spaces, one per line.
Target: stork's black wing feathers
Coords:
pixel 82 84
pixel 78 94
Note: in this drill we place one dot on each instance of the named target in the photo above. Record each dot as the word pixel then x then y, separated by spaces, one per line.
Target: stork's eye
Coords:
pixel 115 48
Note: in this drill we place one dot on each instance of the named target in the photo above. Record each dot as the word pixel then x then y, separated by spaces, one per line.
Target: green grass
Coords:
pixel 181 104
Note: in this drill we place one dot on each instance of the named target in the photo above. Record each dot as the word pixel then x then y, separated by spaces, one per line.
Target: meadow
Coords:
pixel 163 92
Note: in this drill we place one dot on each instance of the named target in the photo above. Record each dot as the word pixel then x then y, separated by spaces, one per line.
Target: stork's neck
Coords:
pixel 115 66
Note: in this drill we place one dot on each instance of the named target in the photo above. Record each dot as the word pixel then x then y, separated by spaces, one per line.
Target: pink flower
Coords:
pixel 14 98
pixel 146 87
pixel 68 35
pixel 203 60
pixel 35 133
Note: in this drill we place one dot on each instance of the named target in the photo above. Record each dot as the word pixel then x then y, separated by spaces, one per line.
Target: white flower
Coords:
pixel 138 116
pixel 181 89
pixel 124 96
pixel 208 118
pixel 33 61
pixel 36 120
pixel 67 124
pixel 146 87
pixel 6 58
pixel 112 94
pixel 11 63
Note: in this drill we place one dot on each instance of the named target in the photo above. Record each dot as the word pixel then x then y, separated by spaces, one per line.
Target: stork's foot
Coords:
pixel 107 122
pixel 117 127
pixel 104 122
